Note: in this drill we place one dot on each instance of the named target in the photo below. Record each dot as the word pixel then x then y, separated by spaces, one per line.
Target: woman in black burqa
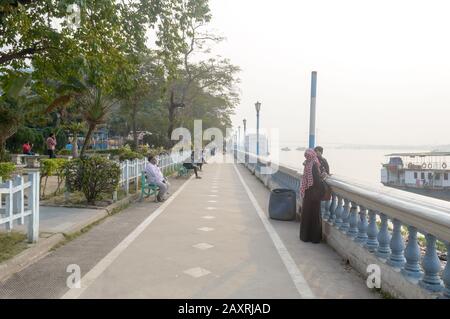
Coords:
pixel 312 190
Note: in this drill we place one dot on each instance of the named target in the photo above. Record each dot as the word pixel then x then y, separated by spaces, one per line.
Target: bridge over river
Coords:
pixel 212 238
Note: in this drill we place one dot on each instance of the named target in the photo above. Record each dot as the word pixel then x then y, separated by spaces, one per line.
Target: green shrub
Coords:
pixel 156 151
pixel 130 155
pixel 52 167
pixel 6 170
pixel 144 149
pixel 92 176
pixel 64 152
pixel 72 173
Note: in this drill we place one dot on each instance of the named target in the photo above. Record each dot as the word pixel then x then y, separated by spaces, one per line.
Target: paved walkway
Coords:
pixel 211 239
pixel 62 219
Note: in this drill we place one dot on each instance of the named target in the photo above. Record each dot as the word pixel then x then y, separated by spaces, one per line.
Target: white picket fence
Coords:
pixel 130 171
pixel 20 199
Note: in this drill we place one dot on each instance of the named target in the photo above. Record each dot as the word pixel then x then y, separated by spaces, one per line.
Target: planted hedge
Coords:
pixel 92 176
pixel 6 170
pixel 52 167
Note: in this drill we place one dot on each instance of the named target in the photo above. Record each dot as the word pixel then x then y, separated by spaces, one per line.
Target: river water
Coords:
pixel 360 164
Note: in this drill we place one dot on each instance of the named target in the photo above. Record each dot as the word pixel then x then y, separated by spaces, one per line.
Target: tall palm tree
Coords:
pixel 91 101
pixel 94 106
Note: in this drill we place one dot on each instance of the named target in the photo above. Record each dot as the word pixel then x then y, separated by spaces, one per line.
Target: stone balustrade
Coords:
pixel 370 224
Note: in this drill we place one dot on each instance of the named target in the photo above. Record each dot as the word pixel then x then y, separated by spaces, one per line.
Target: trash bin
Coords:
pixel 282 204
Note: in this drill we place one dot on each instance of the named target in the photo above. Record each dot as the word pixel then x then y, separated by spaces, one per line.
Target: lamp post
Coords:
pixel 239 137
pixel 245 134
pixel 258 108
pixel 234 146
pixel 312 112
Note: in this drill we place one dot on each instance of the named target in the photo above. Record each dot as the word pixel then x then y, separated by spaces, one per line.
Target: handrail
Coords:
pixel 428 214
pixel 355 208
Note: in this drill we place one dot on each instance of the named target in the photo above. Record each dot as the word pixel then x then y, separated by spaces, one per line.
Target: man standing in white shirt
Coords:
pixel 155 176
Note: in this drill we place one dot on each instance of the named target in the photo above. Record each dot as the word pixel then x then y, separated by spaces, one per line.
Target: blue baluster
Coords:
pixel 431 267
pixel 372 232
pixel 362 226
pixel 384 239
pixel 446 274
pixel 339 208
pixel 397 258
pixel 322 209
pixel 332 208
pixel 412 255
pixel 326 207
pixel 345 216
pixel 353 221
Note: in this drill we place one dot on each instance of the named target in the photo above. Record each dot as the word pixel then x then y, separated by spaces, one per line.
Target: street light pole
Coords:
pixel 312 112
pixel 239 137
pixel 245 145
pixel 258 108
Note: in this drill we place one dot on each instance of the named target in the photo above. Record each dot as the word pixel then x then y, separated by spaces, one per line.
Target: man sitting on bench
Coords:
pixel 155 176
pixel 189 163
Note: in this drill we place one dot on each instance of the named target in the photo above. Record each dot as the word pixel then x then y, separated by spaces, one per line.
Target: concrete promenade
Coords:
pixel 211 239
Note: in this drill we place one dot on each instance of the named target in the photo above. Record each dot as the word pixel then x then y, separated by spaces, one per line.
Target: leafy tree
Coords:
pixel 93 102
pixel 16 104
pixel 74 129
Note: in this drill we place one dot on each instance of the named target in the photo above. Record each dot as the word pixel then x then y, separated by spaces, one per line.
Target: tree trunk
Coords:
pixel 134 125
pixel 87 140
pixel 2 150
pixel 75 145
pixel 171 118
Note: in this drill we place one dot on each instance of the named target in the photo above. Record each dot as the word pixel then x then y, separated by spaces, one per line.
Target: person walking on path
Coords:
pixel 311 191
pixel 155 176
pixel 51 145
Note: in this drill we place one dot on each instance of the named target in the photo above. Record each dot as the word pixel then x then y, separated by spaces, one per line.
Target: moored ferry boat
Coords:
pixel 425 173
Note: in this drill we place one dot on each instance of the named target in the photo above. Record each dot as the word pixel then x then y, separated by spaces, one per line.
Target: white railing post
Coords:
pixel 1 182
pixel 33 203
pixel 126 178
pixel 9 206
pixel 21 200
pixel 136 172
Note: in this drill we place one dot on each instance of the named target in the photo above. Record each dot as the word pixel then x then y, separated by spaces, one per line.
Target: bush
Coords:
pixel 64 152
pixel 92 176
pixel 115 151
pixel 23 134
pixel 6 170
pixel 144 149
pixel 124 153
pixel 52 167
pixel 130 155
pixel 157 151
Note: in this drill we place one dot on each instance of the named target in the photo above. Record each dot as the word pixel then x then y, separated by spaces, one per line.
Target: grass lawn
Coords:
pixel 11 244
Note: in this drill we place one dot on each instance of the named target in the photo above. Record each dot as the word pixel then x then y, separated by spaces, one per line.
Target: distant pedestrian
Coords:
pixel 323 162
pixel 51 145
pixel 69 146
pixel 27 148
pixel 311 191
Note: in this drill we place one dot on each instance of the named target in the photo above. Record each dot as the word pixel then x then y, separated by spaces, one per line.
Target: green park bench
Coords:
pixel 182 171
pixel 148 189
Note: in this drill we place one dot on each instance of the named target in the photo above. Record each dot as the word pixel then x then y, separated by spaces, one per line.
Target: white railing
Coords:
pixel 21 200
pixel 377 218
pixel 131 170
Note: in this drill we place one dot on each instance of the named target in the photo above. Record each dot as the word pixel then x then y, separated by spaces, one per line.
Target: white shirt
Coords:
pixel 153 173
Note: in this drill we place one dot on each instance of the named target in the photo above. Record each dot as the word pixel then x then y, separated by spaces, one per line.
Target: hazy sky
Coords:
pixel 383 67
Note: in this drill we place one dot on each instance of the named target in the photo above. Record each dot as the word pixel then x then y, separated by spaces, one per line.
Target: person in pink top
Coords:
pixel 51 145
